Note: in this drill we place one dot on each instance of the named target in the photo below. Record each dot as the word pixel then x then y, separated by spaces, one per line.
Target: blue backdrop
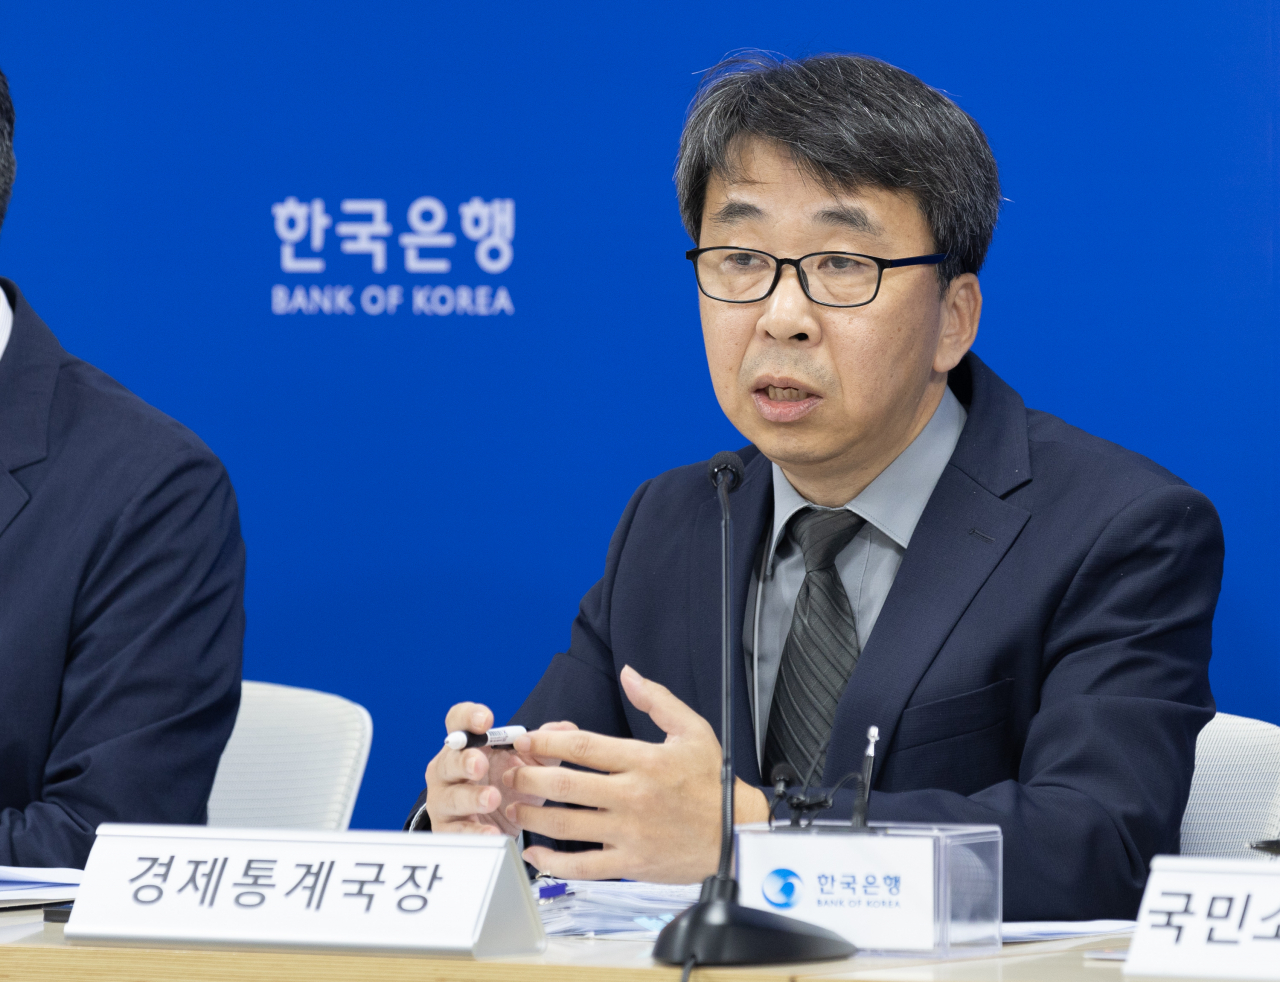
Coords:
pixel 389 463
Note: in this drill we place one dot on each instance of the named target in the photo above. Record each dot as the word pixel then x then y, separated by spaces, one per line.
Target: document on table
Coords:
pixel 627 910
pixel 22 885
pixel 621 909
pixel 1052 930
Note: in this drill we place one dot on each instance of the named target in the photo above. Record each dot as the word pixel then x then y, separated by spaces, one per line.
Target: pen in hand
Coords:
pixel 503 736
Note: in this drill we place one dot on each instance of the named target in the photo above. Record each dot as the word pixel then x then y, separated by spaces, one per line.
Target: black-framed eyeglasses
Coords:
pixel 833 279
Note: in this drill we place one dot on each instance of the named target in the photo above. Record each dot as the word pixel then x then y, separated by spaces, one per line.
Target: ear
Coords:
pixel 961 310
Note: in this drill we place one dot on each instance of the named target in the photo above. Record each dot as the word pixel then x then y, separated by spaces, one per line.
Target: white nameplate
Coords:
pixel 874 890
pixel 390 892
pixel 1208 918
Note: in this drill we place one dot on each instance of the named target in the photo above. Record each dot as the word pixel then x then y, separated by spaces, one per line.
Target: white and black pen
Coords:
pixel 503 736
pixel 868 763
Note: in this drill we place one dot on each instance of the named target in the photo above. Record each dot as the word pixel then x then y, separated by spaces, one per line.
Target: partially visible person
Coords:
pixel 121 597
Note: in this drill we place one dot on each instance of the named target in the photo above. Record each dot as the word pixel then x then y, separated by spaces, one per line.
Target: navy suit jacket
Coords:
pixel 1041 661
pixel 121 613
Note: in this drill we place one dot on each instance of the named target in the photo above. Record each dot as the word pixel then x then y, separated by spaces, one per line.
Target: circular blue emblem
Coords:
pixel 782 888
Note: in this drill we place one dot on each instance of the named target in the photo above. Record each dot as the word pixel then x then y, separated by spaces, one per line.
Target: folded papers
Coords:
pixel 622 909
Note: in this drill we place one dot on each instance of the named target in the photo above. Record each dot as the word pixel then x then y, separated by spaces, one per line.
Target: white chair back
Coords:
pixel 1235 793
pixel 295 760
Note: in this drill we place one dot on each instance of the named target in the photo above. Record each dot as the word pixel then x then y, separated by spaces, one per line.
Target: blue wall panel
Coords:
pixel 392 468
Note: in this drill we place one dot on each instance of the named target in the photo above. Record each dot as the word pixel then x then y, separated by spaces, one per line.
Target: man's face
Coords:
pixel 823 388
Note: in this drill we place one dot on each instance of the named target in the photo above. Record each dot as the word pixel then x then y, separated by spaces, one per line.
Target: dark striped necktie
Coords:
pixel 821 648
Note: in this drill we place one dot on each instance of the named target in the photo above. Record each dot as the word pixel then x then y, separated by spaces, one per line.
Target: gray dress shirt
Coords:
pixel 892 505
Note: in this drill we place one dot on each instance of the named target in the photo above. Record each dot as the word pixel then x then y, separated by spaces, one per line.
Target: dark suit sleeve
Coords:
pixel 1107 762
pixel 151 685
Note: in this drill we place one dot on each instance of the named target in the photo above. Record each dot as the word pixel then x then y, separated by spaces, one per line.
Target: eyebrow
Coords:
pixel 850 217
pixel 732 212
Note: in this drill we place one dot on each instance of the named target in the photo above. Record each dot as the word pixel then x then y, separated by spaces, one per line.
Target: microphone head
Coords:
pixel 729 464
pixel 784 772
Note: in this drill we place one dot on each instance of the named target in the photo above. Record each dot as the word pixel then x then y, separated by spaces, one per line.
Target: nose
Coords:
pixel 788 314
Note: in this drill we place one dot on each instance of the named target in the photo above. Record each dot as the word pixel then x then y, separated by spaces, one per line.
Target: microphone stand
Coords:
pixel 717 930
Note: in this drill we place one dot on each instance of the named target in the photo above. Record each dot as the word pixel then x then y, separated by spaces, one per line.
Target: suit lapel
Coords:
pixel 13 497
pixel 961 537
pixel 28 374
pixel 751 505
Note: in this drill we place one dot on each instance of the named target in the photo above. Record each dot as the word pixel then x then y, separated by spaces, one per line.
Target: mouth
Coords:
pixel 783 400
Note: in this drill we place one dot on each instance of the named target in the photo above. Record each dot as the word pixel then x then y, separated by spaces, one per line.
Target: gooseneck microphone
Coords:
pixel 725 471
pixel 717 930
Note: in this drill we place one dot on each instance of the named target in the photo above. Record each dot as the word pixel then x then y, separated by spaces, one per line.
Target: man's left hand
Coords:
pixel 656 805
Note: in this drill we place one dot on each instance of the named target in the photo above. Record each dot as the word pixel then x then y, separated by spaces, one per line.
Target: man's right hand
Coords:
pixel 465 791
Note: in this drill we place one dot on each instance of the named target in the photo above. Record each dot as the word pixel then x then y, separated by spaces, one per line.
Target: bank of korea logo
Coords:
pixel 782 888
pixel 426 248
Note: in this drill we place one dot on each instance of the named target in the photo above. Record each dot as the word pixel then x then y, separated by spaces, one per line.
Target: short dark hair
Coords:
pixel 8 165
pixel 852 122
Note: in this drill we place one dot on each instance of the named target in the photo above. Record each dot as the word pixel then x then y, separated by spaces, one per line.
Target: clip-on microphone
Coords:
pixel 805 805
pixel 717 930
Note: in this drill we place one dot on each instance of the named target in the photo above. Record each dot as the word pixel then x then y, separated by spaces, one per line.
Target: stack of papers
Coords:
pixel 24 885
pixel 1052 930
pixel 621 909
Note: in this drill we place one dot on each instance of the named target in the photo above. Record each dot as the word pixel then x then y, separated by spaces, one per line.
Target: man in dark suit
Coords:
pixel 121 588
pixel 1023 610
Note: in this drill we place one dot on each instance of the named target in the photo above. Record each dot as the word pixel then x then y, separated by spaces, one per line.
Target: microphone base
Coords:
pixel 717 930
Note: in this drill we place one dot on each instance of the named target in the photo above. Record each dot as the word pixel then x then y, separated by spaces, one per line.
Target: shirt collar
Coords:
pixel 6 322
pixel 895 500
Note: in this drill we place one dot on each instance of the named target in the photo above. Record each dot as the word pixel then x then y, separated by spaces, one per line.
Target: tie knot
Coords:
pixel 822 533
